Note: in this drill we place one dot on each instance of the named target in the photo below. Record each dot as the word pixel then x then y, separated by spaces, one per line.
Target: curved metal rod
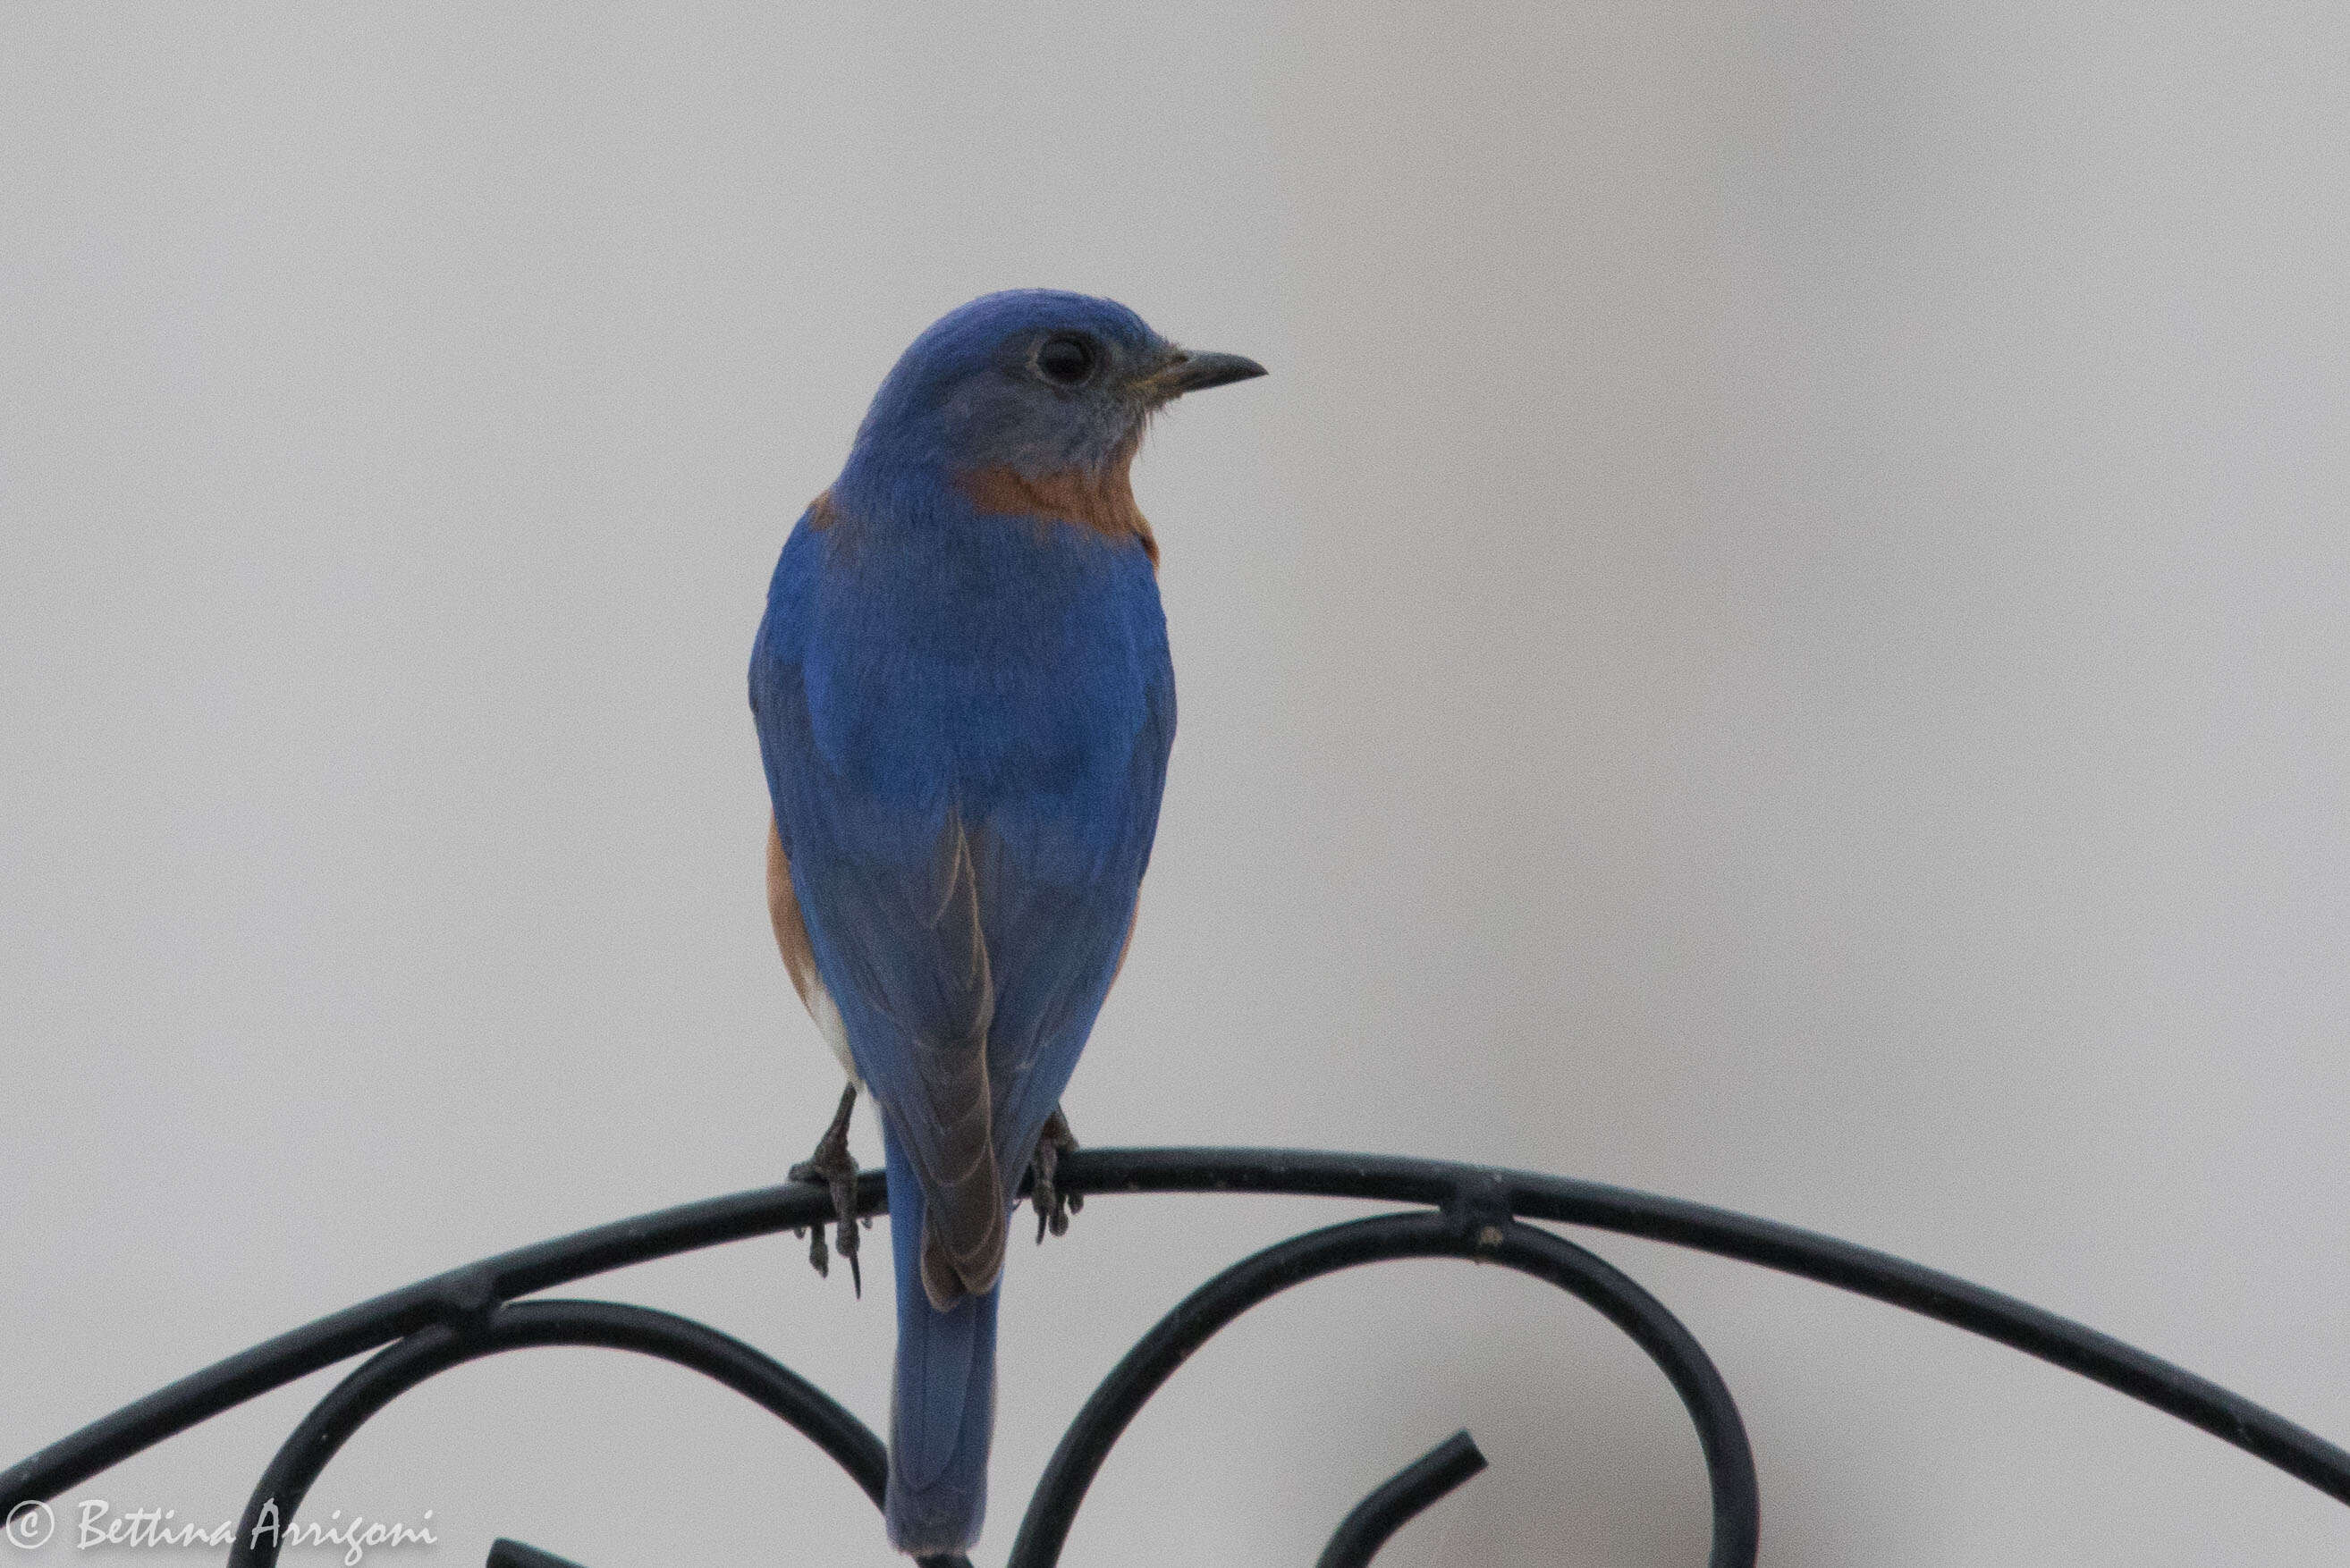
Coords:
pixel 1470 1233
pixel 612 1324
pixel 509 1554
pixel 464 1291
pixel 457 1296
pixel 1930 1293
pixel 1409 1492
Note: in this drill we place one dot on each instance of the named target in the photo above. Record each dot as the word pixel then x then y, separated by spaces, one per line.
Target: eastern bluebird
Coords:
pixel 964 705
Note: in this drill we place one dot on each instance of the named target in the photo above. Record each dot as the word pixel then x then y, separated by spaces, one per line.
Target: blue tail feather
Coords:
pixel 942 1399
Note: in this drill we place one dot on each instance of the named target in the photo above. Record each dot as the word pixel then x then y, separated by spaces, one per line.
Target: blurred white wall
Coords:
pixel 1776 635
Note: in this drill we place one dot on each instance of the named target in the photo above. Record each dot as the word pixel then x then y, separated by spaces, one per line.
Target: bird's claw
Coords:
pixel 1053 1206
pixel 833 1167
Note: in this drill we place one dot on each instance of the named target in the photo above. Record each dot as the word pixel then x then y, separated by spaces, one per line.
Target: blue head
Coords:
pixel 1033 382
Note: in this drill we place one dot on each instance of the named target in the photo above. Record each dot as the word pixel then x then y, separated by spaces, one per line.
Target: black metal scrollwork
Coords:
pixel 1459 1212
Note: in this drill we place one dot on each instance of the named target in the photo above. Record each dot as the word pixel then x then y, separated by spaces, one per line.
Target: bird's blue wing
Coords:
pixel 1059 942
pixel 966 840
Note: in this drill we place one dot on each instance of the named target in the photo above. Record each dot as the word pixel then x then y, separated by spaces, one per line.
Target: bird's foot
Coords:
pixel 832 1165
pixel 1053 1206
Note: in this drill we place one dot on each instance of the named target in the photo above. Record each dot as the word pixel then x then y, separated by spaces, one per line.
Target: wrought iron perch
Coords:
pixel 1454 1211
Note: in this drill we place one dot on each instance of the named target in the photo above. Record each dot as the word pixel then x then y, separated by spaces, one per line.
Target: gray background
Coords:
pixel 1776 635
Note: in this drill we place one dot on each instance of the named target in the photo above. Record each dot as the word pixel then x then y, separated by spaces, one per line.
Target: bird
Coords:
pixel 965 702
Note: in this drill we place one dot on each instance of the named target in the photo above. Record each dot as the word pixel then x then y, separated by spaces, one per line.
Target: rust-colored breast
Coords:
pixel 1102 501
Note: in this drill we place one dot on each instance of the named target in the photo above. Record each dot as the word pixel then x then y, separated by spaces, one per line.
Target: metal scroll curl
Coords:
pixel 1467 1232
pixel 1458 1212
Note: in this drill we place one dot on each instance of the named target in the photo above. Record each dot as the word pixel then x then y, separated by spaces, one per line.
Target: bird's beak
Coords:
pixel 1193 370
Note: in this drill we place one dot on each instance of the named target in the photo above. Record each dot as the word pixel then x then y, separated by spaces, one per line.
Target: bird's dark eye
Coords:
pixel 1065 361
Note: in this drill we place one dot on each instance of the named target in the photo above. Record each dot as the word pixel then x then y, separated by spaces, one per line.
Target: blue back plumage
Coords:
pixel 965 704
pixel 978 679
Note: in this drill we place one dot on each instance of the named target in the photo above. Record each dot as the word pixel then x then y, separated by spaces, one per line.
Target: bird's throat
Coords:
pixel 1101 500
